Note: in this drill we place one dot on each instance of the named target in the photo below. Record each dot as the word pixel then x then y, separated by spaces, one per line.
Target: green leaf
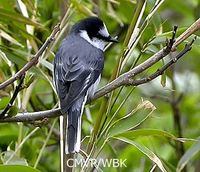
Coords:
pixel 145 151
pixel 159 40
pixel 5 157
pixel 179 31
pixel 9 15
pixel 13 168
pixel 4 57
pixel 151 49
pixel 9 38
pixel 7 138
pixel 3 102
pixel 130 121
pixel 188 156
pixel 146 132
pixel 8 134
pixel 47 64
pixel 29 80
pixel 82 8
pixel 14 56
pixel 30 5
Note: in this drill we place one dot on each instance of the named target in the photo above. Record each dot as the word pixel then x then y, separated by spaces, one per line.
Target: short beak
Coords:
pixel 113 39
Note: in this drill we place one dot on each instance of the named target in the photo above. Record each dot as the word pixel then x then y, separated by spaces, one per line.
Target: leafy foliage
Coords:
pixel 155 125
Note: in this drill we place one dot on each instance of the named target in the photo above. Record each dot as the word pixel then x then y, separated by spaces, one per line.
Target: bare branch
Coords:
pixel 148 63
pixel 191 30
pixel 33 116
pixel 17 90
pixel 164 68
pixel 121 80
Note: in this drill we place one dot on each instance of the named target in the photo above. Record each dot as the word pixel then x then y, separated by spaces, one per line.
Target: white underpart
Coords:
pixel 93 87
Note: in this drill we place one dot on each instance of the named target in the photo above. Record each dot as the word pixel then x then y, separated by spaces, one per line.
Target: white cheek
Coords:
pixel 100 44
pixel 104 31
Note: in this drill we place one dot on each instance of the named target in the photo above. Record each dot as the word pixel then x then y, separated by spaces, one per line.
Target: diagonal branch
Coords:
pixel 121 80
pixel 148 63
pixel 26 117
pixel 9 105
pixel 33 116
pixel 159 72
pixel 33 61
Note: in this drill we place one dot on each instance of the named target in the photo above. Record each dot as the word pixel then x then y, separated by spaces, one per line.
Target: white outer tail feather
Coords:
pixel 91 92
pixel 78 138
pixel 61 144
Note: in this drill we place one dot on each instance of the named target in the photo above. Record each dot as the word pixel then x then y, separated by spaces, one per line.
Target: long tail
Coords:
pixel 73 127
pixel 65 165
pixel 73 130
pixel 70 131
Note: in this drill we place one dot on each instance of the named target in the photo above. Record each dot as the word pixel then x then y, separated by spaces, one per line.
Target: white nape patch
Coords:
pixel 100 44
pixel 104 31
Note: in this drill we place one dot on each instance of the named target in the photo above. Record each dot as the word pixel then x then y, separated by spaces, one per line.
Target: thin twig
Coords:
pixel 191 30
pixel 33 116
pixel 45 143
pixel 14 96
pixel 25 117
pixel 159 72
pixel 33 61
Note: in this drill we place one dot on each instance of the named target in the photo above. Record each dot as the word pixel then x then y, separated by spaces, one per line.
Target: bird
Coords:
pixel 78 66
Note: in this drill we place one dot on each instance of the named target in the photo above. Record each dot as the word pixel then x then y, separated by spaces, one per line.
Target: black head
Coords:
pixel 94 27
